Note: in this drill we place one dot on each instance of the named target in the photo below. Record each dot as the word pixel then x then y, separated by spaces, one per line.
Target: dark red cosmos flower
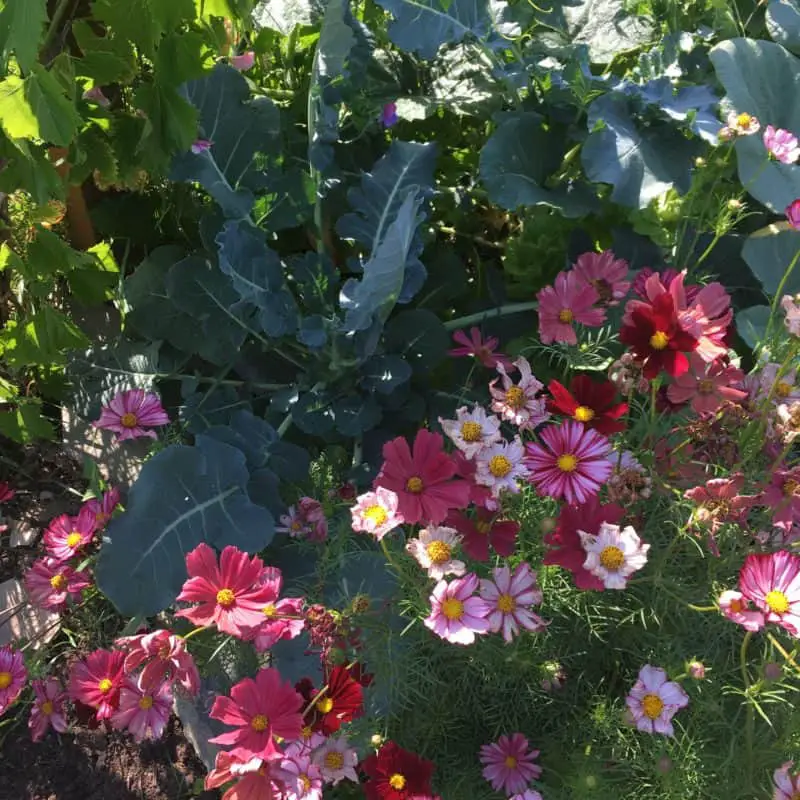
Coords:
pixel 482 530
pixel 396 774
pixel 589 402
pixel 342 701
pixel 657 339
pixel 564 546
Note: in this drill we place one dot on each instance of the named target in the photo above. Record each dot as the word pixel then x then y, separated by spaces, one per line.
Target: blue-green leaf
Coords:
pixel 184 496
pixel 751 323
pixel 783 23
pixel 769 253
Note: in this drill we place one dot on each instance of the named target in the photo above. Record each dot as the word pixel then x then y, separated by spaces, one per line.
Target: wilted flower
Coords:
pixel 477 347
pixel 568 301
pixel 606 273
pixel 433 549
pixel 719 501
pixel 613 554
pixel 510 596
pixel 508 764
pixel 771 581
pixel 654 700
pixel 472 431
pixel 456 615
pixel 626 374
pixel 143 710
pixel 781 144
pixel 129 414
pixel 629 480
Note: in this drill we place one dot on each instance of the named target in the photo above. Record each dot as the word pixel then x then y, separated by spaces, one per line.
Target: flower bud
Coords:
pixel 697 670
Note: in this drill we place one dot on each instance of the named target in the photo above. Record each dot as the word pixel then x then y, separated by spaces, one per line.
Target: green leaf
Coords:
pixel 173 120
pixel 55 112
pixel 21 27
pixel 607 27
pixel 419 336
pixel 43 338
pixel 783 23
pixel 181 57
pixel 751 323
pixel 31 169
pixel 761 78
pixel 183 496
pixel 16 115
pixel 93 281
pixel 769 253
pixel 106 59
pixel 134 19
pixel 26 423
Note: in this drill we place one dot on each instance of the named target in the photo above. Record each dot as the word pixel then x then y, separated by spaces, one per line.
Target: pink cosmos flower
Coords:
pixel 201 146
pixel 96 681
pixel 480 496
pixel 606 273
pixel 771 581
pixel 568 301
pixel 613 554
pixel 388 117
pixel 570 463
pixel 781 144
pixel 485 528
pixel 739 125
pixel 229 594
pixel 313 514
pixel 165 658
pixel 456 616
pixel 708 386
pixel 282 617
pixel 528 794
pixel 336 761
pixel 66 536
pixel 787 786
pixel 12 676
pixel 259 710
pixel 255 779
pixel 301 777
pixel 791 305
pixel 422 478
pixel 519 403
pixel 793 214
pixel 376 513
pixel 48 708
pixel 49 583
pixel 719 501
pixel 102 509
pixel 736 607
pixel 143 710
pixel 783 497
pixel 510 596
pixel 500 466
pixel 6 492
pixel 508 764
pixel 472 431
pixel 654 700
pixel 129 414
pixel 97 95
pixel 243 62
pixel 294 524
pixel 433 550
pixel 476 347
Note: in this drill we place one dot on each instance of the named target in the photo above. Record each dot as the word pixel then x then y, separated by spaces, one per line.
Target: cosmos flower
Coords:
pixel 165 658
pixel 96 681
pixel 782 495
pixel 282 617
pixel 433 549
pixel 48 708
pixel 792 212
pixel 49 583
pixel 510 596
pixel 570 463
pixel 201 146
pixel 472 431
pixel 613 554
pixel 376 513
pixel 336 761
pixel 132 413
pixel 787 785
pixel 482 530
pixel 341 701
pixel 143 710
pixel 508 764
pixel 388 117
pixel 301 777
pixel 396 774
pixel 255 778
pixel 719 501
pixel 103 508
pixel 456 615
pixel 606 273
pixel 739 124
pixel 654 700
pixel 12 676
pixel 771 581
pixel 483 350
pixel 781 144
pixel 501 465
pixel 791 305
pixel 568 301
pixel 519 403
pixel 66 536
pixel 736 607
pixel 590 402
pixel 243 62
pixel 707 386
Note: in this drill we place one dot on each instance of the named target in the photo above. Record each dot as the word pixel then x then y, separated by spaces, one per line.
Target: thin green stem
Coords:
pixel 779 291
pixel 192 633
pixel 750 712
pixel 55 22
pixel 502 311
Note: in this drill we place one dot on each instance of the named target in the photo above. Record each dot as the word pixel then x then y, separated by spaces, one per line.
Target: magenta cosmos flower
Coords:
pixel 131 413
pixel 255 779
pixel 707 386
pixel 422 478
pixel 736 607
pixel 787 785
pixel 456 615
pixel 103 508
pixel 481 349
pixel 388 117
pixel 143 710
pixel 49 583
pixel 96 681
pixel 570 463
pixel 719 501
pixel 781 144
pixel 510 597
pixel 519 403
pixel 48 708
pixel 243 62
pixel 228 594
pixel 165 658
pixel 12 676
pixel 771 581
pixel 282 617
pixel 783 497
pixel 259 710
pixel 606 273
pixel 66 536
pixel 376 513
pixel 568 301
pixel 654 700
pixel 483 530
pixel 508 764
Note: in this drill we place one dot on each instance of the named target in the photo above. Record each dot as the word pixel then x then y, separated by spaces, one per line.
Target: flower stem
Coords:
pixel 750 713
pixel 192 633
pixel 502 311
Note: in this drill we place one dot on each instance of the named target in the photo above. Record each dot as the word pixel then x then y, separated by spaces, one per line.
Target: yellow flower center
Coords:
pixel 612 558
pixel 567 462
pixel 471 431
pixel 269 610
pixel 659 340
pixel 777 602
pixel 334 759
pixel 452 608
pixel 58 582
pixel 146 703
pixel 306 732
pixel 583 414
pixel 5 680
pixel 376 515
pixel 743 120
pixel 515 398
pixel 737 605
pixel 705 386
pixel 128 420
pixel 306 781
pixel 791 488
pixel 506 603
pixel 511 762
pixel 226 598
pixel 483 527
pixel 500 466
pixel 414 484
pixel 74 539
pixel 105 685
pixel 259 723
pixel 438 551
pixel 783 389
pixel 46 708
pixel 325 705
pixel 397 781
pixel 565 316
pixel 652 705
